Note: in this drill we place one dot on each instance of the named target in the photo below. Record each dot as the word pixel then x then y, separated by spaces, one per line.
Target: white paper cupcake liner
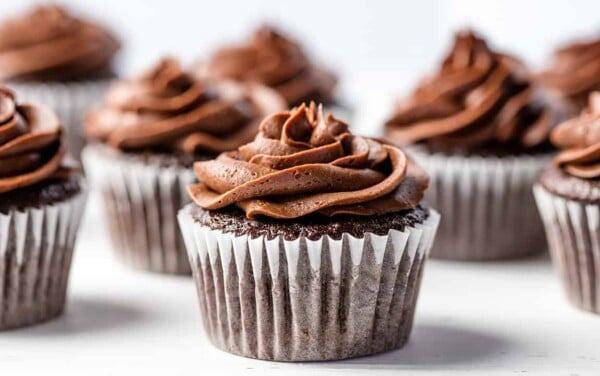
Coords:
pixel 573 231
pixel 36 247
pixel 306 300
pixel 70 101
pixel 487 205
pixel 141 200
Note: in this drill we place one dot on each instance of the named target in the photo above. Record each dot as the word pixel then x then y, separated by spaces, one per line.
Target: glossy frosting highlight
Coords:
pixel 274 60
pixel 31 145
pixel 580 140
pixel 167 109
pixel 302 163
pixel 49 44
pixel 478 98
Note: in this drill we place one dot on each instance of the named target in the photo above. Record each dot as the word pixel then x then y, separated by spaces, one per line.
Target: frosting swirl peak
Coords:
pixel 166 109
pixel 574 71
pixel 48 44
pixel 274 60
pixel 302 162
pixel 31 148
pixel 478 98
pixel 580 139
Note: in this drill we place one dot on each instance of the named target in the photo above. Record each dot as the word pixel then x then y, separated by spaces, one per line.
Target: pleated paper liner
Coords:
pixel 488 208
pixel 141 202
pixel 36 248
pixel 573 231
pixel 70 101
pixel 306 300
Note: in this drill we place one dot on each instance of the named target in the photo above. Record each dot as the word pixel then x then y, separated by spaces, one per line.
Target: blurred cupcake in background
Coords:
pixel 308 243
pixel 144 139
pixel 480 127
pixel 47 55
pixel 568 197
pixel 273 59
pixel 42 197
pixel 574 71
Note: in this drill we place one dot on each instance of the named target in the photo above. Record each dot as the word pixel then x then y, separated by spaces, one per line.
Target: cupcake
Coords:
pixel 480 127
pixel 144 139
pixel 275 60
pixel 574 71
pixel 41 203
pixel 568 197
pixel 308 243
pixel 49 56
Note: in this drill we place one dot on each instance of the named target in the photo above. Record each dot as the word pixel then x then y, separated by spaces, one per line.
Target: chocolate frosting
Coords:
pixel 166 109
pixel 31 145
pixel 48 44
pixel 302 163
pixel 580 140
pixel 574 71
pixel 276 61
pixel 476 100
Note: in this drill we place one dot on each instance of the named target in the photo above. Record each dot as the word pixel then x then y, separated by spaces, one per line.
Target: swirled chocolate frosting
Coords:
pixel 276 61
pixel 302 163
pixel 166 109
pixel 48 44
pixel 31 145
pixel 579 139
pixel 574 71
pixel 477 100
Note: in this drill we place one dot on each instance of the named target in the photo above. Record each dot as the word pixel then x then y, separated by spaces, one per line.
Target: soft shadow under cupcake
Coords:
pixel 85 316
pixel 435 344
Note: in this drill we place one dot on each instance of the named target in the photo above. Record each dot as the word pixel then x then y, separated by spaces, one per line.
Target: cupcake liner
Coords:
pixel 70 101
pixel 488 207
pixel 573 231
pixel 141 201
pixel 307 300
pixel 36 247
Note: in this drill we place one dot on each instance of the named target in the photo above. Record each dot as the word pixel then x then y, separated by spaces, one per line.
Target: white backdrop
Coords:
pixel 383 43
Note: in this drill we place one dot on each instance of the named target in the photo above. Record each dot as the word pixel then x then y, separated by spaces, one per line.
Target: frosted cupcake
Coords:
pixel 41 203
pixel 275 60
pixel 480 127
pixel 49 56
pixel 568 197
pixel 144 139
pixel 574 71
pixel 309 242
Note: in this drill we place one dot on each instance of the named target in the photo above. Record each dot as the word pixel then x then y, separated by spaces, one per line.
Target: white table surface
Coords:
pixel 494 318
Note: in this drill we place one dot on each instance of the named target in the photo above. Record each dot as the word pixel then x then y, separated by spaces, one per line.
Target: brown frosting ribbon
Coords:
pixel 302 162
pixel 167 109
pixel 48 44
pixel 477 98
pixel 274 60
pixel 574 71
pixel 580 139
pixel 31 148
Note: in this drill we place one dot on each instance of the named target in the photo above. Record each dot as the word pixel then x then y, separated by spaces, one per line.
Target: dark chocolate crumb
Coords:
pixel 560 183
pixel 233 220
pixel 44 193
pixel 160 158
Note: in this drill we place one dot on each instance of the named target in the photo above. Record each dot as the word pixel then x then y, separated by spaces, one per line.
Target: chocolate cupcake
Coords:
pixel 146 136
pixel 574 71
pixel 275 60
pixel 49 56
pixel 41 203
pixel 480 127
pixel 308 243
pixel 568 197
